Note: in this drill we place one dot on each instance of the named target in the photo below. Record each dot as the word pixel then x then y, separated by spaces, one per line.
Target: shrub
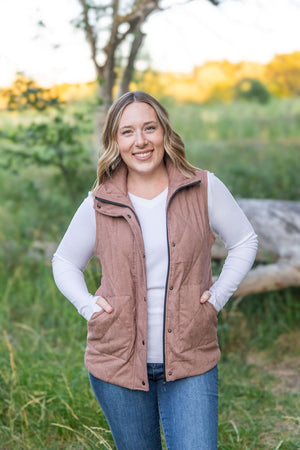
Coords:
pixel 26 94
pixel 252 89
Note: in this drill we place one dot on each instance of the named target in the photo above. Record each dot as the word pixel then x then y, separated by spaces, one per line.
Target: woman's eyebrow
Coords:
pixel 145 123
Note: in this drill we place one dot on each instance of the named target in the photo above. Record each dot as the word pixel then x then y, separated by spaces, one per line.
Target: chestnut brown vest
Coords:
pixel 116 349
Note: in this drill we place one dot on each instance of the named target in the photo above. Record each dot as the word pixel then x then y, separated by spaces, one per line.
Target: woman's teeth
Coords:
pixel 143 154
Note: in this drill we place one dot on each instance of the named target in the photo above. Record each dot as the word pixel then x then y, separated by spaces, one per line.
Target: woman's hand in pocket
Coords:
pixel 104 305
pixel 205 296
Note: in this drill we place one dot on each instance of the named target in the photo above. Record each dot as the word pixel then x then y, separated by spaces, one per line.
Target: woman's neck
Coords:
pixel 146 185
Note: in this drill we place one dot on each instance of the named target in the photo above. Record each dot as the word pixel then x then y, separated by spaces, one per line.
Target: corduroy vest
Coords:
pixel 117 343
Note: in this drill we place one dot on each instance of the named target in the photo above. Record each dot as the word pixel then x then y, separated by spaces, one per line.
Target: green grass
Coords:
pixel 277 119
pixel 45 398
pixel 254 414
pixel 46 401
pixel 253 149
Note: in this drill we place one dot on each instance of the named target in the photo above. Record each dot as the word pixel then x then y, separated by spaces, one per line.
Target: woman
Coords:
pixel 152 348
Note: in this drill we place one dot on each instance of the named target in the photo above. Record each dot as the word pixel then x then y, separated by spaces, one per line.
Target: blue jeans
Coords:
pixel 187 410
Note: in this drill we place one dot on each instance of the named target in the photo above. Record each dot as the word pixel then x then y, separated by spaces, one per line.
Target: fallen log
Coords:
pixel 277 224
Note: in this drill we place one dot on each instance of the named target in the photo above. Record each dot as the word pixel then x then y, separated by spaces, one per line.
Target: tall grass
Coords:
pixel 45 398
pixel 253 148
pixel 46 401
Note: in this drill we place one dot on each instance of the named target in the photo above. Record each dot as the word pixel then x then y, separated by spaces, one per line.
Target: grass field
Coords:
pixel 45 398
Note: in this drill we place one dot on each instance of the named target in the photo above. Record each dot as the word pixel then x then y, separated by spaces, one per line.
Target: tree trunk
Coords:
pixel 129 69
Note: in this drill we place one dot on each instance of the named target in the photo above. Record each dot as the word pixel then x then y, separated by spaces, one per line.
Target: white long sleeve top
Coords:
pixel 227 221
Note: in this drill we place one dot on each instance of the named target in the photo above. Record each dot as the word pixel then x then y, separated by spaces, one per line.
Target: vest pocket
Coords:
pixel 113 334
pixel 197 321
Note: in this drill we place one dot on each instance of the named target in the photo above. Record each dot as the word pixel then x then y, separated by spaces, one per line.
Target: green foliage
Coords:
pixel 49 143
pixel 252 148
pixel 46 401
pixel 252 90
pixel 283 75
pixel 45 398
pixel 26 94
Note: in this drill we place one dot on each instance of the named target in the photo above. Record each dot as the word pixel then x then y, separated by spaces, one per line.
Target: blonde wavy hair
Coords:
pixel 110 157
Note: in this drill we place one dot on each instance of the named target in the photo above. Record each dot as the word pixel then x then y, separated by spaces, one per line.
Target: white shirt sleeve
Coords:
pixel 229 223
pixel 73 255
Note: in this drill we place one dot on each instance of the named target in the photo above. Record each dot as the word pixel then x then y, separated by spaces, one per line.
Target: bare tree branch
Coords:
pixel 128 71
pixel 215 2
pixel 110 49
pixel 143 9
pixel 140 11
pixel 90 34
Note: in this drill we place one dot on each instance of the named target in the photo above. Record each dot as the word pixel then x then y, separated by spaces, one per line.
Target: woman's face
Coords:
pixel 140 138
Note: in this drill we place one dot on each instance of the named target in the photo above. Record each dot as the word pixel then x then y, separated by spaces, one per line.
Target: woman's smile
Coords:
pixel 143 156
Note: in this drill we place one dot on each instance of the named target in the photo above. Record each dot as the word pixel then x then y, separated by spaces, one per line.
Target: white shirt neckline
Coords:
pixel 145 202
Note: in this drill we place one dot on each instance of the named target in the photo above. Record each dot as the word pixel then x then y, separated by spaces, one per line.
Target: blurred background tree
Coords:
pixel 283 75
pixel 55 143
pixel 26 94
pixel 252 90
pixel 113 31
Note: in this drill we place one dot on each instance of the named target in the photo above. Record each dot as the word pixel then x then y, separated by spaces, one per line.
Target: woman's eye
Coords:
pixel 126 132
pixel 150 128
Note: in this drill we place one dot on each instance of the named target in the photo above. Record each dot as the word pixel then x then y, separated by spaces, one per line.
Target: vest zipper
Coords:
pixel 168 271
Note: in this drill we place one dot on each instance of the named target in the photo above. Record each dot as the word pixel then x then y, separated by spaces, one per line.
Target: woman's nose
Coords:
pixel 140 139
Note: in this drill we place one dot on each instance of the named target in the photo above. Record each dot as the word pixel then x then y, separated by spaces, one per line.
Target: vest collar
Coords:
pixel 114 189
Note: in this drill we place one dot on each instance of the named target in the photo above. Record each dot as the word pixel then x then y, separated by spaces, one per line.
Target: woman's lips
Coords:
pixel 143 156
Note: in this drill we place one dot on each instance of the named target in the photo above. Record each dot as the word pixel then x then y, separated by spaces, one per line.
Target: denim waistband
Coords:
pixel 155 371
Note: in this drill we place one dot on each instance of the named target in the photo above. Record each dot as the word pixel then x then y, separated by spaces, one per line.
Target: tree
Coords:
pixel 26 94
pixel 251 89
pixel 108 26
pixel 56 142
pixel 283 75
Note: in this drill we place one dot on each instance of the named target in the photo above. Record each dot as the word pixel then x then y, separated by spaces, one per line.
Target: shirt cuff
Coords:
pixel 213 300
pixel 91 309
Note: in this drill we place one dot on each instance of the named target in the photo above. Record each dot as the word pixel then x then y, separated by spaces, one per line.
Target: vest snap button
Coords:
pixel 173 244
pixel 143 342
pixel 144 256
pixel 171 288
pixel 169 330
pixel 170 373
pixel 143 383
pixel 98 205
pixel 129 216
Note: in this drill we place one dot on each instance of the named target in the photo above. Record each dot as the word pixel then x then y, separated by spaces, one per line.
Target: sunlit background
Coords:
pixel 229 76
pixel 178 38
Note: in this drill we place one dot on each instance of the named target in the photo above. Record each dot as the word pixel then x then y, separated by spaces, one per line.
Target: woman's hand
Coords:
pixel 205 296
pixel 104 305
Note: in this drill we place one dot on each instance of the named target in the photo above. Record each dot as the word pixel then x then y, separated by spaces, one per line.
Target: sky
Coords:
pixel 177 39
